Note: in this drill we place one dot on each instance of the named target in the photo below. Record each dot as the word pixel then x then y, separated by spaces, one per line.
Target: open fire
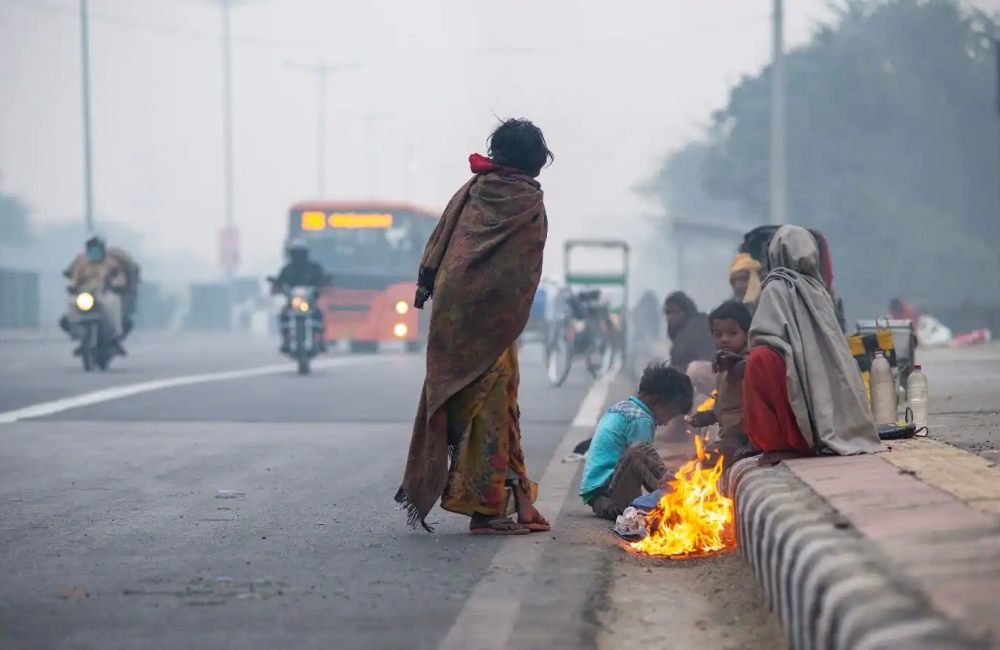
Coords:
pixel 693 517
pixel 709 402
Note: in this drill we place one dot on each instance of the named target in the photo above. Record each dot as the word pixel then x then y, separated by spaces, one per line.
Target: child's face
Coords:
pixel 728 335
pixel 663 413
pixel 740 282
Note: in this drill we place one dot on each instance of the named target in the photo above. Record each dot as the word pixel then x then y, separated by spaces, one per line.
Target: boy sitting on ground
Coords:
pixel 621 460
pixel 730 323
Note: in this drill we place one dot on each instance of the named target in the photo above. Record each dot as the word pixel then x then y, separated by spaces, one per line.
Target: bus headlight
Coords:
pixel 85 301
pixel 400 330
pixel 402 307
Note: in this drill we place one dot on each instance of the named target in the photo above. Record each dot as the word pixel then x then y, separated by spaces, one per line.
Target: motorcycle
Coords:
pixel 304 340
pixel 585 333
pixel 88 325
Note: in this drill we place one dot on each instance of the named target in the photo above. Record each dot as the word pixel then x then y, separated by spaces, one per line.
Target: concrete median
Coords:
pixel 875 552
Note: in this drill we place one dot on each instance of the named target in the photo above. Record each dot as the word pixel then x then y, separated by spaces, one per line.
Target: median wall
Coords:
pixel 19 300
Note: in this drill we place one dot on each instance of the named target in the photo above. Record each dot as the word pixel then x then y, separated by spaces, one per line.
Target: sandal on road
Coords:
pixel 499 527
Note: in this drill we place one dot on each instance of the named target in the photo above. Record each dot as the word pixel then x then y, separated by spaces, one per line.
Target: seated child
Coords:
pixel 621 459
pixel 730 323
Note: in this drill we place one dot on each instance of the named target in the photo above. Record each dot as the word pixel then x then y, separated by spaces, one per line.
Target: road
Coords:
pixel 249 513
pixel 245 509
pixel 964 400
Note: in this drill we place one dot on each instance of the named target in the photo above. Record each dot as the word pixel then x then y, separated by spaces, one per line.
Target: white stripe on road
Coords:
pixel 118 392
pixel 487 619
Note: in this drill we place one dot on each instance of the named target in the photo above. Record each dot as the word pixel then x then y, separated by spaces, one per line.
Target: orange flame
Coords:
pixel 693 517
pixel 709 402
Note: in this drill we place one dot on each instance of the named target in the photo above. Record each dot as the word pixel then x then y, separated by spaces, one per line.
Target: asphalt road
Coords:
pixel 964 397
pixel 244 513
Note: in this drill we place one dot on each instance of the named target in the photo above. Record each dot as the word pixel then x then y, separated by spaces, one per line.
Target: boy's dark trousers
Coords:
pixel 639 467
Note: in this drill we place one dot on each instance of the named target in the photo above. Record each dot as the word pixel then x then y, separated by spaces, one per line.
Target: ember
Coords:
pixel 693 517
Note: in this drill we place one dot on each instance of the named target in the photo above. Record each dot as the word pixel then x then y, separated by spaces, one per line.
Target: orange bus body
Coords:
pixel 372 311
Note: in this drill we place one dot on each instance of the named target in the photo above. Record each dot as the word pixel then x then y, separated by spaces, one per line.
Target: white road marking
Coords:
pixel 45 409
pixel 486 621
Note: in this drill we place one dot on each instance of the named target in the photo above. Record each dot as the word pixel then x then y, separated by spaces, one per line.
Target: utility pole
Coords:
pixel 227 112
pixel 229 237
pixel 321 70
pixel 996 51
pixel 779 169
pixel 88 183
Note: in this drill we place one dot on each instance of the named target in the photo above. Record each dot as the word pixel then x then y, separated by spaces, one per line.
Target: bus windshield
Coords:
pixel 364 241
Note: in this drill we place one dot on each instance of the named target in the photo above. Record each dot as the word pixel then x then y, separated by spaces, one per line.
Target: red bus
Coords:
pixel 372 250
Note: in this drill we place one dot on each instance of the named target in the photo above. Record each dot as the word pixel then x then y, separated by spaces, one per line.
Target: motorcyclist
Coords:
pixel 97 271
pixel 300 271
pixel 132 273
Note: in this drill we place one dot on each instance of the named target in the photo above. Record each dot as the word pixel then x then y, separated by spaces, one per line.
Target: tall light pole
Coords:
pixel 88 187
pixel 321 70
pixel 779 169
pixel 227 113
pixel 228 238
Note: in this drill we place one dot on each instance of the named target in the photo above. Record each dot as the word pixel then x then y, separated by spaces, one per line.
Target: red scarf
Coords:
pixel 482 165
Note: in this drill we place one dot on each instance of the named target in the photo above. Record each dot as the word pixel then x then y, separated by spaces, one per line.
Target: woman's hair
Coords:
pixel 667 385
pixel 519 144
pixel 732 310
pixel 682 300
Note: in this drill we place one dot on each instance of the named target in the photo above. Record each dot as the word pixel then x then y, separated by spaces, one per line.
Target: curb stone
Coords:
pixel 830 589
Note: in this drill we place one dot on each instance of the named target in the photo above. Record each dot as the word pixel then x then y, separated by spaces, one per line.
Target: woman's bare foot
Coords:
pixel 485 525
pixel 527 515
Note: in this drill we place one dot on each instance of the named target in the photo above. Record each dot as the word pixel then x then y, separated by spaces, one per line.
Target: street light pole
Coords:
pixel 88 188
pixel 321 70
pixel 227 114
pixel 779 169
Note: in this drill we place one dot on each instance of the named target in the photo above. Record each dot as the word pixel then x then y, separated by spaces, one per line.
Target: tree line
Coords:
pixel 893 150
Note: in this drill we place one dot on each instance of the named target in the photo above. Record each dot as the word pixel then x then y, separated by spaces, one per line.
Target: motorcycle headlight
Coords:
pixel 579 326
pixel 85 301
pixel 402 308
pixel 303 306
pixel 299 303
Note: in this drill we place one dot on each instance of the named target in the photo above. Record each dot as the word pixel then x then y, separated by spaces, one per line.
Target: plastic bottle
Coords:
pixel 916 390
pixel 883 390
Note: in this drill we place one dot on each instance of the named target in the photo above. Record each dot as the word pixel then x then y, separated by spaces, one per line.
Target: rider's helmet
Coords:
pixel 298 252
pixel 95 249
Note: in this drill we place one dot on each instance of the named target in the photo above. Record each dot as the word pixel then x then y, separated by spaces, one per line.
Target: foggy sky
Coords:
pixel 613 85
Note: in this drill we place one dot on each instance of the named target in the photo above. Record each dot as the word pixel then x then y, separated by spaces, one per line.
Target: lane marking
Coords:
pixel 486 621
pixel 45 409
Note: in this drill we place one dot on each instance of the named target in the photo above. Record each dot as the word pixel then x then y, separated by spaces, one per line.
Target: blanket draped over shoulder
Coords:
pixel 796 317
pixel 482 266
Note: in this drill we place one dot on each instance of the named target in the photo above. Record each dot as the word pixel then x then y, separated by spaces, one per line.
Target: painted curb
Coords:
pixel 830 588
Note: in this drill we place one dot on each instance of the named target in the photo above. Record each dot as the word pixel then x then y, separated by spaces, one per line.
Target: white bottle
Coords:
pixel 916 391
pixel 883 390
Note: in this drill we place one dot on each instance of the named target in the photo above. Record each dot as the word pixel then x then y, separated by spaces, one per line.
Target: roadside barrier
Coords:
pixel 19 300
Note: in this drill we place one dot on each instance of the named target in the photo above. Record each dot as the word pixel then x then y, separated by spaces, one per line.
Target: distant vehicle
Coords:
pixel 303 346
pixel 372 250
pixel 755 243
pixel 88 323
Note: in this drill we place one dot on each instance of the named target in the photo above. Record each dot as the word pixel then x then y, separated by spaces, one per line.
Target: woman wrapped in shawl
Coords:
pixel 481 269
pixel 802 391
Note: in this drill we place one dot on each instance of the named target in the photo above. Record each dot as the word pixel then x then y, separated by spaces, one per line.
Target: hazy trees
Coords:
pixel 893 150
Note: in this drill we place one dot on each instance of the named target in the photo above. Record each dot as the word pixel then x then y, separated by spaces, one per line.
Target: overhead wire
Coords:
pixel 643 40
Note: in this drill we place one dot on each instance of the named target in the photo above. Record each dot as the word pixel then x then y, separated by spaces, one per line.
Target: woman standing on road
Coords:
pixel 481 267
pixel 802 391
